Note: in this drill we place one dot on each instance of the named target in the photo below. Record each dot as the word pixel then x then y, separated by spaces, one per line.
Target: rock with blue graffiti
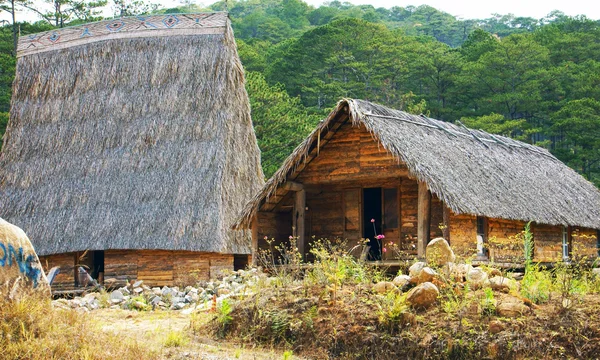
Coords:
pixel 20 267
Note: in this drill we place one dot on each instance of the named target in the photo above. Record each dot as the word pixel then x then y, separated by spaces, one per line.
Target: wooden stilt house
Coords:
pixel 130 147
pixel 369 170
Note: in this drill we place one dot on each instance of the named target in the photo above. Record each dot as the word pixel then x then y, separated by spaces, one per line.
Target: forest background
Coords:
pixel 536 80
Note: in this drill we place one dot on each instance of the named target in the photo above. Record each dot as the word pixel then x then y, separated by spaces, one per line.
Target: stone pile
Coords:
pixel 422 280
pixel 138 296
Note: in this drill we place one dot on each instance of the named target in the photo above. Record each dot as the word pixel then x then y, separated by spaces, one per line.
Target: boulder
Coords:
pixel 496 326
pixel 460 271
pixel 401 281
pixel 477 279
pixel 383 287
pixel 512 308
pixel 500 283
pixel 415 268
pixel 426 274
pixel 419 273
pixel 423 295
pixel 20 267
pixel 439 252
pixel 116 296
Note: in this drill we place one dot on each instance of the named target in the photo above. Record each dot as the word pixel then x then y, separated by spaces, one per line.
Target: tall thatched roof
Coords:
pixel 472 171
pixel 132 133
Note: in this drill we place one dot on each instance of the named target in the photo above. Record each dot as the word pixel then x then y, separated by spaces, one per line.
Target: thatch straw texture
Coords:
pixel 472 171
pixel 131 143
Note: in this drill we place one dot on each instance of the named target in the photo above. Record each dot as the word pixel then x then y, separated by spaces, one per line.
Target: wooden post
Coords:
pixel 255 240
pixel 299 210
pixel 423 219
pixel 446 221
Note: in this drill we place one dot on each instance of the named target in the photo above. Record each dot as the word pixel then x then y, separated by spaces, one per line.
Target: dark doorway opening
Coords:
pixel 240 262
pixel 92 262
pixel 372 220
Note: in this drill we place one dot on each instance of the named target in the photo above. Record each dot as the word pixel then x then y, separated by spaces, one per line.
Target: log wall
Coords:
pixel 584 242
pixel 463 234
pixel 155 267
pixel 65 280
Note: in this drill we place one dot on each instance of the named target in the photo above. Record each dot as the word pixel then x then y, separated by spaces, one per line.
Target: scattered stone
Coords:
pixel 496 326
pixel 426 274
pixel 124 290
pixel 223 291
pixel 383 287
pixel 423 295
pixel 116 296
pixel 176 300
pixel 414 270
pixel 512 308
pixel 138 290
pixel 401 281
pixel 139 305
pixel 477 279
pixel 156 291
pixel 518 276
pixel 166 291
pixel 138 283
pixel 460 272
pixel 439 252
pixel 503 284
pixel 494 272
pixel 155 300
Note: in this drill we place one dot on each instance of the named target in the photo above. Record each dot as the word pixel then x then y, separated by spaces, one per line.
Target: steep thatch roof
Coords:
pixel 130 134
pixel 472 171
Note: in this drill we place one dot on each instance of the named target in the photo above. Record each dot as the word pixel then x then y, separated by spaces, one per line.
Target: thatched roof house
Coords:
pixel 471 172
pixel 133 133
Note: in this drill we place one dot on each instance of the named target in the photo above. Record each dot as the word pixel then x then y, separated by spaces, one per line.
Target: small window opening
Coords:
pixel 481 236
pixel 565 243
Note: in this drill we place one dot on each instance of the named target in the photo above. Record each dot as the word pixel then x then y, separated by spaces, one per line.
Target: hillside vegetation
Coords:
pixel 533 79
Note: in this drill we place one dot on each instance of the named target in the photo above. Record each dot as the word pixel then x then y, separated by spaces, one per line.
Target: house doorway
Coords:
pixel 372 213
pixel 93 264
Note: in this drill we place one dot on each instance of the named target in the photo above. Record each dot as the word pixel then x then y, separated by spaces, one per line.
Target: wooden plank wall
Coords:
pixel 584 242
pixel 547 240
pixel 351 156
pixel 65 280
pixel 162 267
pixel 463 234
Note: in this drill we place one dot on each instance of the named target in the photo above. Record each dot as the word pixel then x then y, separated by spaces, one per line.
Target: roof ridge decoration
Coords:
pixel 123 28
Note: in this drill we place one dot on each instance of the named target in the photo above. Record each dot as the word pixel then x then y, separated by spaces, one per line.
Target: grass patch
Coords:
pixel 32 329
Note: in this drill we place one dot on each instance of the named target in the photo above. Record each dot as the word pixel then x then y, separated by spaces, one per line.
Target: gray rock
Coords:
pixel 156 291
pixel 116 296
pixel 176 300
pixel 477 279
pixel 138 283
pixel 139 305
pixel 124 290
pixel 177 306
pixel 166 291
pixel 155 300
pixel 138 290
pixel 401 281
pixel 188 299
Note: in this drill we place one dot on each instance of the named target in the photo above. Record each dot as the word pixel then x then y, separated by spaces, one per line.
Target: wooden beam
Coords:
pixel 255 240
pixel 299 211
pixel 423 219
pixel 446 221
pixel 292 186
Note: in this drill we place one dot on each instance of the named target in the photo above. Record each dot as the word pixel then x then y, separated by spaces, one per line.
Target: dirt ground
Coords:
pixel 168 333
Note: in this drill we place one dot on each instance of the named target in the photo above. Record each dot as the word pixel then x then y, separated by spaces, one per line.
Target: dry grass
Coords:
pixel 32 329
pixel 331 312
